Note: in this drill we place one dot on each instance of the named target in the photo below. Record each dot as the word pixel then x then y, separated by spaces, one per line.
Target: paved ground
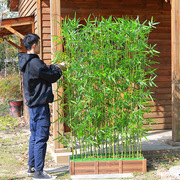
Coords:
pixel 157 140
pixel 175 172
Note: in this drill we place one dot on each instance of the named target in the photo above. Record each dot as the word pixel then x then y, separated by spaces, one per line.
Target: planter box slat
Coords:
pixel 80 163
pixel 110 171
pixel 108 167
pixel 72 167
pixel 84 168
pixel 84 172
pixel 109 163
pixel 132 170
pixel 132 165
pixel 132 162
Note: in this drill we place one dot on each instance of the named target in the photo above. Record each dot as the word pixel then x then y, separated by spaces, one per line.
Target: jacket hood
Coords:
pixel 24 58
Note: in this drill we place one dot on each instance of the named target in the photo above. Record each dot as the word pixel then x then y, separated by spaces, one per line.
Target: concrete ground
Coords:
pixel 159 140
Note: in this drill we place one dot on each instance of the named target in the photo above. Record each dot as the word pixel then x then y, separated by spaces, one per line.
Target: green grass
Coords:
pixel 13 150
pixel 8 122
pixel 91 158
pixel 14 157
pixel 11 145
pixel 14 144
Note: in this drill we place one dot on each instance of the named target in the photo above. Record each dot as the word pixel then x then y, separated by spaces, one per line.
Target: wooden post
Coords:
pixel 72 168
pixel 144 166
pixel 96 167
pixel 120 166
pixel 55 14
pixel 175 61
pixel 39 21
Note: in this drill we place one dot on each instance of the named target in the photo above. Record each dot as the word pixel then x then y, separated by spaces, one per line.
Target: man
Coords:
pixel 37 83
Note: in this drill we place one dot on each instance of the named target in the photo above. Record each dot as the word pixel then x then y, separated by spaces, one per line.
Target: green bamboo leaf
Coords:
pixel 109 69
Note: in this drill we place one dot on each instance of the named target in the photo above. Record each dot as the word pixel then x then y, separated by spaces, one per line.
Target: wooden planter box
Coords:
pixel 107 167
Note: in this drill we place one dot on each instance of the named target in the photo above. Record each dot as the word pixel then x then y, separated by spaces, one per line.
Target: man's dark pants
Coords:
pixel 39 127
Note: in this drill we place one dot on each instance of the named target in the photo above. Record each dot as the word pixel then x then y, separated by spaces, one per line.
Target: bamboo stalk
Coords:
pixel 104 57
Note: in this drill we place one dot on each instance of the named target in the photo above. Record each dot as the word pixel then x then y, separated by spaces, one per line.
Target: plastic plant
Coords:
pixel 107 86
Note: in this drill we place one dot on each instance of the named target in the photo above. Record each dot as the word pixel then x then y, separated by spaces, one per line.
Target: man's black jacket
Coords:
pixel 37 79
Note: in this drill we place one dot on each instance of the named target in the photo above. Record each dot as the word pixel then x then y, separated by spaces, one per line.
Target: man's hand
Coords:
pixel 62 66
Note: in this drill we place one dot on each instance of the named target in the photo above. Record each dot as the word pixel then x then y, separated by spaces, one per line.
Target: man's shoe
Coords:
pixel 42 175
pixel 31 171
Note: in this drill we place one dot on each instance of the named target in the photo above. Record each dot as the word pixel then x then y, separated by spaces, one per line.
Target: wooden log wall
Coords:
pixel 28 8
pixel 40 10
pixel 145 9
pixel 41 14
pixel 46 32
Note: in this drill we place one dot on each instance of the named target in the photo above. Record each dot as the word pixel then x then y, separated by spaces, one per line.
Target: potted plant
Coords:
pixel 10 92
pixel 108 78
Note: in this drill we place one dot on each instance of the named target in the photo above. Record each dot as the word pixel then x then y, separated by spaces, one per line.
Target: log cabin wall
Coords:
pixel 40 10
pixel 145 9
pixel 46 41
pixel 28 8
pixel 41 15
pixel 46 31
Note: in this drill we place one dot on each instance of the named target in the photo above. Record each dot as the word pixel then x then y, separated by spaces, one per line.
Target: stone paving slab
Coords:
pixel 157 140
pixel 175 171
pixel 59 169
